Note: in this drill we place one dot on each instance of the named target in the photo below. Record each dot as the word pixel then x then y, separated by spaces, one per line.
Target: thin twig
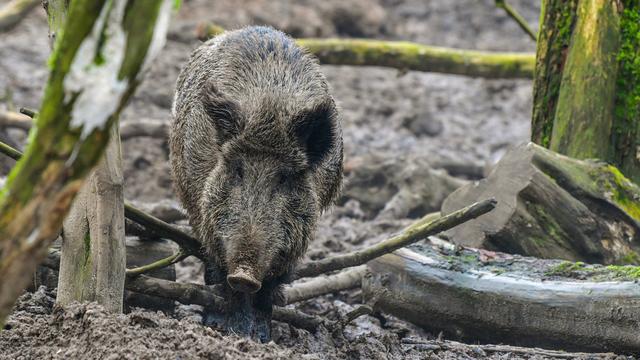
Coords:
pixel 350 316
pixel 409 236
pixel 170 260
pixel 517 17
pixel 298 318
pixel 188 243
pixel 10 152
pixel 28 112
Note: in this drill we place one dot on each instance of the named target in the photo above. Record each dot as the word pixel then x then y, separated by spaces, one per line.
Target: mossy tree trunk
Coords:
pixel 587 82
pixel 95 67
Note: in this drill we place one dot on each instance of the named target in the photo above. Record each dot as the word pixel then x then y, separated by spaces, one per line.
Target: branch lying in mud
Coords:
pixel 409 236
pixel 206 296
pixel 153 225
pixel 410 56
pixel 139 128
pixel 512 13
pixel 170 260
pixel 319 286
pixel 188 243
pixel 13 12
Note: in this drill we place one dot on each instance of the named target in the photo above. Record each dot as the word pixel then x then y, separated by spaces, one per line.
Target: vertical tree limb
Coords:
pixel 95 67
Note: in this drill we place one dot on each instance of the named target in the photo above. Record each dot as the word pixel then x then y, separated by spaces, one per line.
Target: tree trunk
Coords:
pixel 587 82
pixel 83 97
pixel 553 206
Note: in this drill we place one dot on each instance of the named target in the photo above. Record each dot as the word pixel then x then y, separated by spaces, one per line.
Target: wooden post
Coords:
pixel 93 256
pixel 95 68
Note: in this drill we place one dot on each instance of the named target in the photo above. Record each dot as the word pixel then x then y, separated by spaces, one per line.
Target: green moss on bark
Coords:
pixel 626 135
pixel 557 19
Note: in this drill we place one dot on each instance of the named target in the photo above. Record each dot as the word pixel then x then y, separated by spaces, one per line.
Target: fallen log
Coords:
pixel 405 55
pixel 552 206
pixel 479 295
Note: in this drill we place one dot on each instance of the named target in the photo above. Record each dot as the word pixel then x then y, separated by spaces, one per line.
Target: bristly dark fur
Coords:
pixel 256 150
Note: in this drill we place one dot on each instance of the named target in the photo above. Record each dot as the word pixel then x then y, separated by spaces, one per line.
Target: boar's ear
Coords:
pixel 223 111
pixel 314 129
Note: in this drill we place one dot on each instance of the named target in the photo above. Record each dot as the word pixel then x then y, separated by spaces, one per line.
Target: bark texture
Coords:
pixel 95 67
pixel 587 83
pixel 557 20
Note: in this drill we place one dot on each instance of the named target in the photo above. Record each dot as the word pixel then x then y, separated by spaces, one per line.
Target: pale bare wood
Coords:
pixel 93 259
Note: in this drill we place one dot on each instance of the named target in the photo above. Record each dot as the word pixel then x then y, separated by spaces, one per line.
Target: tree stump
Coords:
pixel 552 206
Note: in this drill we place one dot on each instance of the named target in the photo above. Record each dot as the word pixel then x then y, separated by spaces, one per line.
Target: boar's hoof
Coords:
pixel 242 281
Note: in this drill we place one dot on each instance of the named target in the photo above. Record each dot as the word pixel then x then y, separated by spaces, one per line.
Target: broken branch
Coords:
pixel 511 12
pixel 345 280
pixel 409 236
pixel 170 260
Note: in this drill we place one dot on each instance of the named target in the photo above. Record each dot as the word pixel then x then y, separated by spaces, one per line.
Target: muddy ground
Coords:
pixel 410 139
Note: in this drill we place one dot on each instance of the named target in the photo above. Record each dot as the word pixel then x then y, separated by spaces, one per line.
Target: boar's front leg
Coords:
pixel 241 316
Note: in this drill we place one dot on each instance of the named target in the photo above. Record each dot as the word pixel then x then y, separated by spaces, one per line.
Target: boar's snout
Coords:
pixel 242 280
